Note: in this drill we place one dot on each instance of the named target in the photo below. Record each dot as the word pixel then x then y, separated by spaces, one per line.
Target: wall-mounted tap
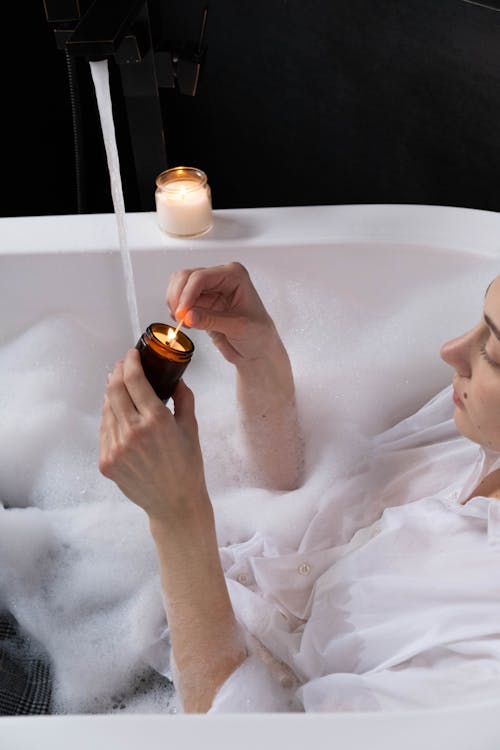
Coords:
pixel 119 30
pixel 104 27
pixel 62 11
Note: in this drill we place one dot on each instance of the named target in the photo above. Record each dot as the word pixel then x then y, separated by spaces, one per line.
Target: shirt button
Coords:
pixel 242 578
pixel 304 569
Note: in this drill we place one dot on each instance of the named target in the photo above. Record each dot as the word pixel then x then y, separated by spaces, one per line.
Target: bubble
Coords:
pixel 78 567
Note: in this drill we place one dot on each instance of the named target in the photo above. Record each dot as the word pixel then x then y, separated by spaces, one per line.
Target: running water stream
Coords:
pixel 100 76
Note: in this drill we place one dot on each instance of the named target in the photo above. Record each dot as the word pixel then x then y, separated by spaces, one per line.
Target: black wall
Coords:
pixel 317 102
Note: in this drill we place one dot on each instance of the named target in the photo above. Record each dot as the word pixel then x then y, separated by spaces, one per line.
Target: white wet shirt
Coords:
pixel 392 600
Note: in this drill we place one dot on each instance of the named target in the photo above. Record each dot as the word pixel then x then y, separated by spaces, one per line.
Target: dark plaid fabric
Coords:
pixel 25 683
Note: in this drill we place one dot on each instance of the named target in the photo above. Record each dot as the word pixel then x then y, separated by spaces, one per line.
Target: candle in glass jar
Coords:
pixel 183 202
pixel 164 357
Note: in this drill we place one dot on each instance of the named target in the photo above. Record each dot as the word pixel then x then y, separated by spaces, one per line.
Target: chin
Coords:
pixel 465 428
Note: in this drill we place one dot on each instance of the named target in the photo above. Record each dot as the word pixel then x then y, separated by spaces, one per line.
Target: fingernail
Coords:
pixel 192 318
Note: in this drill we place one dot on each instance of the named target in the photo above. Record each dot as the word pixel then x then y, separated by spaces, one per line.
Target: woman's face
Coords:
pixel 476 359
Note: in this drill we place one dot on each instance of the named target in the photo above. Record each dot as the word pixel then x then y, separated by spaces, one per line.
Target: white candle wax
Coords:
pixel 183 207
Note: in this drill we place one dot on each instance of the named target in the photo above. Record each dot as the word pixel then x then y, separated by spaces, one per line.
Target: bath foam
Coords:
pixel 365 360
pixel 88 591
pixel 77 568
pixel 77 565
pixel 51 384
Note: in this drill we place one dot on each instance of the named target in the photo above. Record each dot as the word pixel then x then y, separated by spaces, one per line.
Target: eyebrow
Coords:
pixel 492 326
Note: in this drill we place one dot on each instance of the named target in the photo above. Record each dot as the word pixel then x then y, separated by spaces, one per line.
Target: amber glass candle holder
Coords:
pixel 164 360
pixel 183 202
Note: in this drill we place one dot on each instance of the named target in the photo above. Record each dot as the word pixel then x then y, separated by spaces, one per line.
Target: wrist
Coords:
pixel 270 372
pixel 192 514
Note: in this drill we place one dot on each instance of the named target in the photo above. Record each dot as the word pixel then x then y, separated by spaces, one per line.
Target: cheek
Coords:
pixel 483 400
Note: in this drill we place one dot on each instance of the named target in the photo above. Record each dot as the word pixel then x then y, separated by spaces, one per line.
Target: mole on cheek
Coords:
pixel 465 395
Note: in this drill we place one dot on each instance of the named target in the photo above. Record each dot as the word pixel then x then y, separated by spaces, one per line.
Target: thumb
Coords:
pixel 230 324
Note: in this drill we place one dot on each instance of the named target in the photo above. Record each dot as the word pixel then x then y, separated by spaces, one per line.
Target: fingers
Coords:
pixel 187 287
pixel 175 287
pixel 118 397
pixel 183 399
pixel 185 418
pixel 222 280
pixel 232 325
pixel 138 387
pixel 108 438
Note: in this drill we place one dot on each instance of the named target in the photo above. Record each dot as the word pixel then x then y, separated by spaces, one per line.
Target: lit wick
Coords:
pixel 172 335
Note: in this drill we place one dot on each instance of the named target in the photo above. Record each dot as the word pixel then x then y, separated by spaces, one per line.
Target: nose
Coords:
pixel 458 352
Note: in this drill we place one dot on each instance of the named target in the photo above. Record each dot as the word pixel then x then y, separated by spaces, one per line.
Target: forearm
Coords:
pixel 206 641
pixel 223 301
pixel 266 399
pixel 154 456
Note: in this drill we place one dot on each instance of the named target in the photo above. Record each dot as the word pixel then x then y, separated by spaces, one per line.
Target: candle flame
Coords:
pixel 183 191
pixel 172 335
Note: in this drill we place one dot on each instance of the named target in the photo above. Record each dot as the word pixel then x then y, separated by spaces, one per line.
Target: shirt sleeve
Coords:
pixel 436 679
pixel 433 680
pixel 261 684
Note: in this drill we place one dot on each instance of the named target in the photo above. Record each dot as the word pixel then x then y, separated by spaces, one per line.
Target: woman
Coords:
pixel 395 606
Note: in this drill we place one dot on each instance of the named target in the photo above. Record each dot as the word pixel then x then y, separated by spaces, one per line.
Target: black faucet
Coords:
pixel 105 25
pixel 120 29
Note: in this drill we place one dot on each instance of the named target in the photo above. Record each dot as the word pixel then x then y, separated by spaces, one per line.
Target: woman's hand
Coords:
pixel 223 301
pixel 154 456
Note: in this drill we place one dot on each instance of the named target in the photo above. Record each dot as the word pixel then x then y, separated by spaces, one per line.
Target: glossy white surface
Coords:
pixel 457 229
pixel 373 257
pixel 464 729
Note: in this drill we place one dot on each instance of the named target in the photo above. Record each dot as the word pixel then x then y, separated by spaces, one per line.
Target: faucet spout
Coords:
pixel 102 29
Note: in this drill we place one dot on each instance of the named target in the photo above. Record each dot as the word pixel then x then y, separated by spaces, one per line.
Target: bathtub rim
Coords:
pixel 386 730
pixel 473 231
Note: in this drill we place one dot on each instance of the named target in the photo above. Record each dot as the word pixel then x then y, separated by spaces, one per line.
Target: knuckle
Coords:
pixel 133 372
pixel 197 275
pixel 106 466
pixel 180 274
pixel 154 420
pixel 238 268
pixel 177 281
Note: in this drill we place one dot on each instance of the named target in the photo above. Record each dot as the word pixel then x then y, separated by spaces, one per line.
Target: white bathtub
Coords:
pixel 432 263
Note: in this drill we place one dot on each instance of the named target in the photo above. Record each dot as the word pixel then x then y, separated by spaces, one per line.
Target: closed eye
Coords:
pixel 487 357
